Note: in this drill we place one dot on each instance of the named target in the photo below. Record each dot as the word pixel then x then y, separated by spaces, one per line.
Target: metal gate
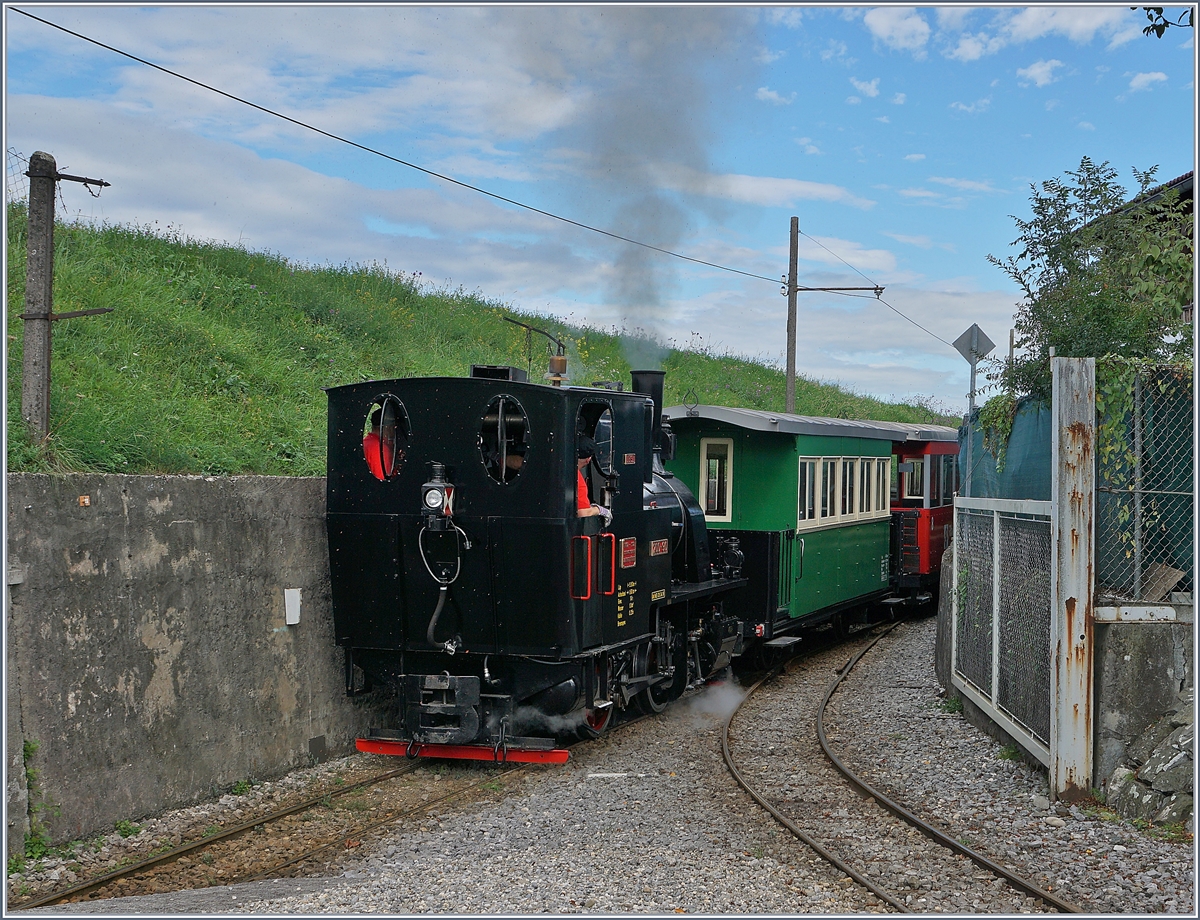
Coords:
pixel 1001 626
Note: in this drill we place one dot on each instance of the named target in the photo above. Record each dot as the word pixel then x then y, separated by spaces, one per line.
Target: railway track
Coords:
pixel 857 827
pixel 268 844
pixel 295 839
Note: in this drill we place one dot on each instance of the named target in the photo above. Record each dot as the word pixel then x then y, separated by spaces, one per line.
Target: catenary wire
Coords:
pixel 387 156
pixel 450 179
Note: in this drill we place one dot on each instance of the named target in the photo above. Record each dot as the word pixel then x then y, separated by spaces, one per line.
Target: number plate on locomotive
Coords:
pixel 628 552
pixel 658 547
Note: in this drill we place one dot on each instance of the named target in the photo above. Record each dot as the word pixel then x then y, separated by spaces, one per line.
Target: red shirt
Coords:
pixel 582 502
pixel 371 452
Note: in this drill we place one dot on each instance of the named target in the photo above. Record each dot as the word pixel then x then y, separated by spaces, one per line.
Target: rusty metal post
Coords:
pixel 1072 614
pixel 39 295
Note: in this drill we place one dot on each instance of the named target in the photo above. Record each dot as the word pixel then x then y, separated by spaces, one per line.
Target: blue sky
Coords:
pixel 902 137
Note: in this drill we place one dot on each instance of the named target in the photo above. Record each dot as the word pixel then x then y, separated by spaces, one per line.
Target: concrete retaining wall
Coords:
pixel 149 663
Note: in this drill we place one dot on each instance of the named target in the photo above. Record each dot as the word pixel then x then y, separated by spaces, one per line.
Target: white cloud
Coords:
pixel 977 107
pixel 807 145
pixel 789 17
pixel 919 193
pixel 1040 73
pixel 884 119
pixel 1080 24
pixel 973 47
pixel 1144 81
pixel 867 89
pixel 836 51
pixel 900 28
pixel 953 18
pixel 852 100
pixel 758 190
pixel 921 241
pixel 767 56
pixel 1086 126
pixel 914 157
pixel 769 95
pixel 966 185
pixel 898 99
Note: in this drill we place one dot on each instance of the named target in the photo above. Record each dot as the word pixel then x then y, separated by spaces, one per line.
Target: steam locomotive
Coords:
pixel 465 579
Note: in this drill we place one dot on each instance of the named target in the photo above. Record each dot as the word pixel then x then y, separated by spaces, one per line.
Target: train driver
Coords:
pixel 584 506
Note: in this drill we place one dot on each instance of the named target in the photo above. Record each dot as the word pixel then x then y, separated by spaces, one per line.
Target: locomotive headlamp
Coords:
pixel 437 499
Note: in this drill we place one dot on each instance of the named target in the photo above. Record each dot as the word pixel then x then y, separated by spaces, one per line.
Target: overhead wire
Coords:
pixel 388 156
pixel 877 296
pixel 437 175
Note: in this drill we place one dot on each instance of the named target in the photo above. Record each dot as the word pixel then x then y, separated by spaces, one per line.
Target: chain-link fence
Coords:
pixel 1144 471
pixel 17 183
pixel 1002 614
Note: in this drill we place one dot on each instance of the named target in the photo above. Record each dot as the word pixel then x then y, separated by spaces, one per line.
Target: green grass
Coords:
pixel 213 358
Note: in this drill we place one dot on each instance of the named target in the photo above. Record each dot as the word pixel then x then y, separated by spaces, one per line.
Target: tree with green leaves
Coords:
pixel 1100 275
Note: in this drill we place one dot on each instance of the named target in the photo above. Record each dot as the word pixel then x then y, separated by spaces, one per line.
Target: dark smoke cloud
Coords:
pixel 659 79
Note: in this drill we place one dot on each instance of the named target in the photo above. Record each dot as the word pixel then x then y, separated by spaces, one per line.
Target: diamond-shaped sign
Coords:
pixel 973 344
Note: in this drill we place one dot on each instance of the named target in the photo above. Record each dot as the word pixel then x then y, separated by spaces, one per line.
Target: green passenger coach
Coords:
pixel 806 500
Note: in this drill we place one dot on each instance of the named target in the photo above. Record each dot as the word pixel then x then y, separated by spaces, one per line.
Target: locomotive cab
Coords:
pixel 924 484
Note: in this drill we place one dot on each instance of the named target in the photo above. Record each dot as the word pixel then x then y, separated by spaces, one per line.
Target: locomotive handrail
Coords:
pixel 612 558
pixel 582 597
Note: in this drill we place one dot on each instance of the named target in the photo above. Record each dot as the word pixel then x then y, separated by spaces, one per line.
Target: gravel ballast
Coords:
pixel 647 819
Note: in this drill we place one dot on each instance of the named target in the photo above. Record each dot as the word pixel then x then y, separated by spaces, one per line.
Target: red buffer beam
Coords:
pixel 460 751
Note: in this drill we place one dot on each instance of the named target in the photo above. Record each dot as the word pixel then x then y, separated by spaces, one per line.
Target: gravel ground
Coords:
pixel 945 769
pixel 648 820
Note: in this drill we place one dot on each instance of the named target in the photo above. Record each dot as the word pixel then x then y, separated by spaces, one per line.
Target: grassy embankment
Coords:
pixel 214 357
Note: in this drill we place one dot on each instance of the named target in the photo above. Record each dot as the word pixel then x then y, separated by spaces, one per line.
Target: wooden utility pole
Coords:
pixel 793 259
pixel 39 295
pixel 790 289
pixel 39 291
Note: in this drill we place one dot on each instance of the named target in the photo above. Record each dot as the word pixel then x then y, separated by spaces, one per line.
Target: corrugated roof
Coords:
pixel 758 420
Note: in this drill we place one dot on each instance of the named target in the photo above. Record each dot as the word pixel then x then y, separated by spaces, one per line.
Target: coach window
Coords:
pixel 385 437
pixel 914 480
pixel 935 480
pixel 882 478
pixel 865 468
pixel 716 478
pixel 949 477
pixel 848 482
pixel 829 488
pixel 503 439
pixel 807 492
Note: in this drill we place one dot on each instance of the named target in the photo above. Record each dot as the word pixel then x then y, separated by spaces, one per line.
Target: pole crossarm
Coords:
pixel 876 290
pixel 57 176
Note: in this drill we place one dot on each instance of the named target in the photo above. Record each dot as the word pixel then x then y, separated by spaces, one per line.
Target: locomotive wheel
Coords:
pixel 654 699
pixel 595 722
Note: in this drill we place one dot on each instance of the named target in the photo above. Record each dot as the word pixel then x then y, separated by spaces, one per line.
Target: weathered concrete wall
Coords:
pixel 1140 670
pixel 147 651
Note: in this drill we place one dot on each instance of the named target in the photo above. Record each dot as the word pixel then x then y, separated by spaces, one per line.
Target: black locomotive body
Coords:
pixel 463 577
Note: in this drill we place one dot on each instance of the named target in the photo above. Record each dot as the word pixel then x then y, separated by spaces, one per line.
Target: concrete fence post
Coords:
pixel 1072 536
pixel 39 294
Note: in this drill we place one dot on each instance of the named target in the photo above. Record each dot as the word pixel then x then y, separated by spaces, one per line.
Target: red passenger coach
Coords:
pixel 923 489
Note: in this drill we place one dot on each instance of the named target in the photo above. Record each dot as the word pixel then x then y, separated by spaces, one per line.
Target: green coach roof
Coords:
pixel 758 420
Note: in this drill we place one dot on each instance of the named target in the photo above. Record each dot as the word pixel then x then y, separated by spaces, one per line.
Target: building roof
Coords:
pixel 758 420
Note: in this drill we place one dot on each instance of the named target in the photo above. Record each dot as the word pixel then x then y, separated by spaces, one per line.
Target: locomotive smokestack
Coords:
pixel 650 383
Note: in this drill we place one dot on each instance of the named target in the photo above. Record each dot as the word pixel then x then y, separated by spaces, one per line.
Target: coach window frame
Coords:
pixel 725 516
